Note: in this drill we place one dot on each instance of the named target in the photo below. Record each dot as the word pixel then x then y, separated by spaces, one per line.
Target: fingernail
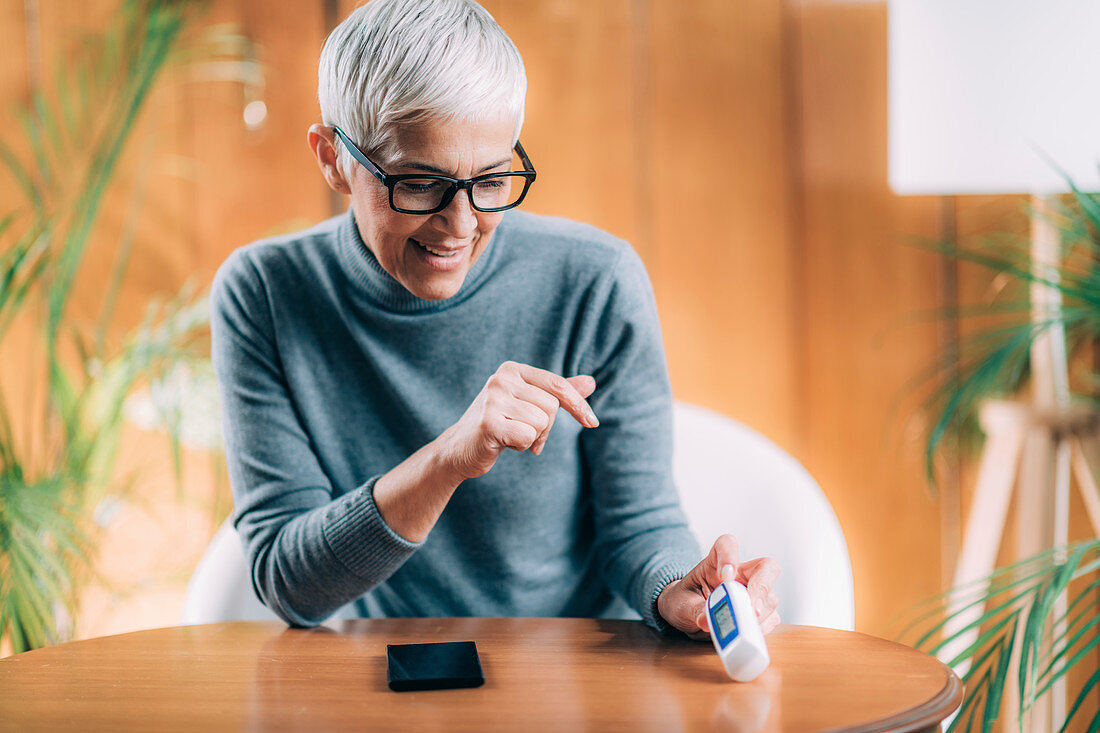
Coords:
pixel 727 572
pixel 592 421
pixel 759 605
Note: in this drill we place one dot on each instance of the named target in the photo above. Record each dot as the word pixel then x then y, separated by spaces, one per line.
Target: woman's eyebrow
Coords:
pixel 440 171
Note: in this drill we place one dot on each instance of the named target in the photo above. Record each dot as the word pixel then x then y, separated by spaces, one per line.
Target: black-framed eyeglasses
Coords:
pixel 425 193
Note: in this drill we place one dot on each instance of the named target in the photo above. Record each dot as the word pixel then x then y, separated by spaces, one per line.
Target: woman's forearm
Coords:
pixel 412 495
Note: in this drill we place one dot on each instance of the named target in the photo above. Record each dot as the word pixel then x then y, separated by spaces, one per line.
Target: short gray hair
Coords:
pixel 393 62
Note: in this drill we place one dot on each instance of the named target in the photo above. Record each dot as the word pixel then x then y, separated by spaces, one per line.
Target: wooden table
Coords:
pixel 540 674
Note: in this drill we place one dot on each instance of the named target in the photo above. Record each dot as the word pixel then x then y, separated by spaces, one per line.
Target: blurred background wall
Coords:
pixel 739 146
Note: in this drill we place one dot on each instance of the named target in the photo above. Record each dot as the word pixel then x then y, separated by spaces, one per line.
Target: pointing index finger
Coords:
pixel 568 396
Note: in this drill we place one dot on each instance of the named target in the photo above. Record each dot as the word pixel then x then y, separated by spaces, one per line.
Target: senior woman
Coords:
pixel 392 377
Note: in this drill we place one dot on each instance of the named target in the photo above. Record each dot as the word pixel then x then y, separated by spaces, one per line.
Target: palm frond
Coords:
pixel 1024 593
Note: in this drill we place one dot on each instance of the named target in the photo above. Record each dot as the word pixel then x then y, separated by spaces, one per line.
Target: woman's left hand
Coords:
pixel 683 603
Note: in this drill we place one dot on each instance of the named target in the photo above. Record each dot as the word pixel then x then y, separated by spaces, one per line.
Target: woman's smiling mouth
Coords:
pixel 440 259
pixel 439 251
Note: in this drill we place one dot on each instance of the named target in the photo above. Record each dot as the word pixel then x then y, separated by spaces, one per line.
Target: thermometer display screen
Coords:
pixel 724 623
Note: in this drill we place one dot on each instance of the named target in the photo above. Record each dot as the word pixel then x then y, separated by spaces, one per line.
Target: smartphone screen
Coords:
pixel 437 666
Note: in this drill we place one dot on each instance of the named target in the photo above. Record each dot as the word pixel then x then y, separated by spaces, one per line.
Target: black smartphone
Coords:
pixel 438 666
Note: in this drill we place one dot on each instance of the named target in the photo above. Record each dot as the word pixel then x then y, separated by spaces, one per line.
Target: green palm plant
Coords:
pixel 1019 600
pixel 1019 604
pixel 57 457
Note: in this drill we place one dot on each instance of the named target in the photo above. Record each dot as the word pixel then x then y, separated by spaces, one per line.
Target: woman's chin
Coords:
pixel 437 286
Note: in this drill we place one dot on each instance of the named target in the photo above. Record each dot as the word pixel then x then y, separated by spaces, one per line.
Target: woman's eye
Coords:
pixel 419 186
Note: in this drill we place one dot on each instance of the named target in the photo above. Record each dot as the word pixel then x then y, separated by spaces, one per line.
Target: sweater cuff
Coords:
pixel 360 537
pixel 656 583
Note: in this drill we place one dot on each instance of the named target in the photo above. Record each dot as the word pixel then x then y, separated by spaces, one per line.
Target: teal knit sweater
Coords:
pixel 331 373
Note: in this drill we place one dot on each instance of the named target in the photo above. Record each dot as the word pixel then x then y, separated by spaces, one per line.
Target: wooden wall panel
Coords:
pixel 860 286
pixel 14 72
pixel 721 213
pixel 254 183
pixel 579 121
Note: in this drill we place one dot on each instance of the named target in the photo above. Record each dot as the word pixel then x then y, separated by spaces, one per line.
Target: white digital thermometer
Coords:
pixel 736 632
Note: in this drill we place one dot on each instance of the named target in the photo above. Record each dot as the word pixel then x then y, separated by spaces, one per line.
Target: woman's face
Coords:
pixel 430 254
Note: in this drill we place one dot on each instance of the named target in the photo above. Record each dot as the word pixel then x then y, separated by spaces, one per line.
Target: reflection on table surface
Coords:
pixel 561 674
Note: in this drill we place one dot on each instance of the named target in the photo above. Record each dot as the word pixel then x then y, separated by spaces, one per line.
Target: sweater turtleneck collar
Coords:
pixel 366 274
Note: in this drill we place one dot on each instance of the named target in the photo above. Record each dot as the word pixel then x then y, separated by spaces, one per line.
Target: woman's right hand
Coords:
pixel 516 410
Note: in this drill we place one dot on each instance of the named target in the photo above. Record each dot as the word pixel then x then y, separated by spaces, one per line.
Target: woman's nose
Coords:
pixel 459 218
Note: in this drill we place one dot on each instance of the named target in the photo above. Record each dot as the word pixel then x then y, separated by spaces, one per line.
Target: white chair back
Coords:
pixel 220 589
pixel 732 479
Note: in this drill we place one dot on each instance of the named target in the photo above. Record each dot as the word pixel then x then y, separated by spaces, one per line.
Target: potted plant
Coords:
pixel 1020 626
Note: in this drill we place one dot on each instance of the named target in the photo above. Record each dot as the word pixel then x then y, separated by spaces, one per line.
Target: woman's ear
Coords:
pixel 322 141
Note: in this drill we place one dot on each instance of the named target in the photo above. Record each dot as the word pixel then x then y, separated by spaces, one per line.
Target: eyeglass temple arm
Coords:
pixel 527 165
pixel 358 154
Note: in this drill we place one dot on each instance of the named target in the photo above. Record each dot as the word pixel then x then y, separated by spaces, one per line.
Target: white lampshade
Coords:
pixel 979 87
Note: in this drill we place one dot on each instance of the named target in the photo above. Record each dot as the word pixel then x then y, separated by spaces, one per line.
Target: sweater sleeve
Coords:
pixel 309 553
pixel 642 536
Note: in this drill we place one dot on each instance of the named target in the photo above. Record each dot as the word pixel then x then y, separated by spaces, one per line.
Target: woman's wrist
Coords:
pixel 443 458
pixel 412 495
pixel 663 605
